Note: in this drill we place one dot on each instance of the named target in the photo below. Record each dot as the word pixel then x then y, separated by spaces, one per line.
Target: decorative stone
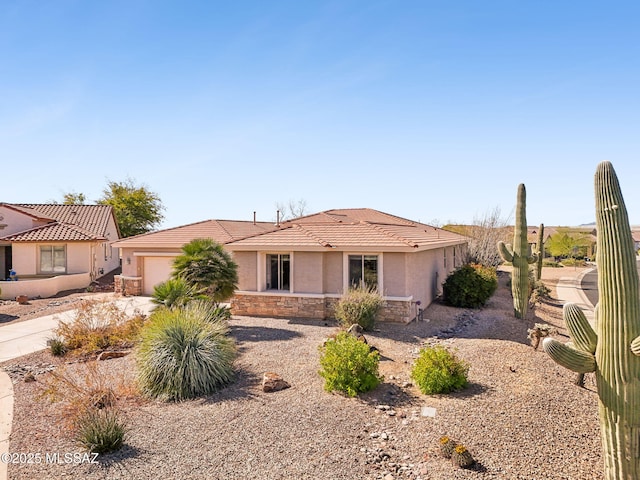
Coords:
pixel 108 355
pixel 22 299
pixel 272 382
pixel 428 411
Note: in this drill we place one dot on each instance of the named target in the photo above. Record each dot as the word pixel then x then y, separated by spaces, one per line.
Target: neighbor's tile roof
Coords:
pixel 222 231
pixel 353 229
pixel 54 232
pixel 64 222
pixel 93 218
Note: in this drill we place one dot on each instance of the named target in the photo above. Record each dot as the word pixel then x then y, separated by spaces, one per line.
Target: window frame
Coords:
pixel 52 247
pixel 280 266
pixel 347 268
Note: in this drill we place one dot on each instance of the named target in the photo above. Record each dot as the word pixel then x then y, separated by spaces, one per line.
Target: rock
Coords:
pixel 22 299
pixel 428 411
pixel 28 377
pixel 108 355
pixel 272 382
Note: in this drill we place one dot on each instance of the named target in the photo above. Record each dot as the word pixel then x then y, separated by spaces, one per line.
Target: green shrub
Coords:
pixel 57 347
pixel 175 292
pixel 348 365
pixel 359 305
pixel 470 286
pixel 437 370
pixel 574 262
pixel 101 430
pixel 184 352
pixel 551 263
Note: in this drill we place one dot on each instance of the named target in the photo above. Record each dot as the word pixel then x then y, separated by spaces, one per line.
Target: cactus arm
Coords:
pixel 635 346
pixel 506 251
pixel 583 335
pixel 532 259
pixel 575 360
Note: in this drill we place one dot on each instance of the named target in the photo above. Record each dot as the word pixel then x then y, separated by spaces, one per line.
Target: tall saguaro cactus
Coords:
pixel 519 254
pixel 612 350
pixel 540 252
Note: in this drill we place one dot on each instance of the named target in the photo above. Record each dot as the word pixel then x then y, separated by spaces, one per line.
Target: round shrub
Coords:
pixel 470 286
pixel 359 305
pixel 184 352
pixel 437 370
pixel 348 365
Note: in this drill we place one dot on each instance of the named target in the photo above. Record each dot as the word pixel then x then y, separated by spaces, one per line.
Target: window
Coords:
pixel 278 272
pixel 53 259
pixel 363 270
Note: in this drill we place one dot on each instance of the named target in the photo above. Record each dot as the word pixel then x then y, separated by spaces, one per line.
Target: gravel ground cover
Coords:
pixel 521 417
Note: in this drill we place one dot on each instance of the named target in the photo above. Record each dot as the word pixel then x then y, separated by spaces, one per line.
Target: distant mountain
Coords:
pixel 592 224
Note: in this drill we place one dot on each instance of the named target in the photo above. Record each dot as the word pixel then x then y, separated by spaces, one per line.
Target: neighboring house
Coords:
pixel 53 247
pixel 301 268
pixel 588 233
pixel 635 232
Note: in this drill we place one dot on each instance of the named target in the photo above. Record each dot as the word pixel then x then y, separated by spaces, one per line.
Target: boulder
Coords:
pixel 272 382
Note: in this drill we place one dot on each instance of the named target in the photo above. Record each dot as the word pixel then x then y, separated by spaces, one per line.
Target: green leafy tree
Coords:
pixel 73 198
pixel 207 266
pixel 564 244
pixel 136 208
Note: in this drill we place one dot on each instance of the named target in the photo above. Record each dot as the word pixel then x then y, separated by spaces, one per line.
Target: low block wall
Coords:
pixel 311 307
pixel 44 287
pixel 127 285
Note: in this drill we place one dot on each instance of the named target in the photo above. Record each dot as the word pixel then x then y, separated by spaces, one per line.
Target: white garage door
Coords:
pixel 156 270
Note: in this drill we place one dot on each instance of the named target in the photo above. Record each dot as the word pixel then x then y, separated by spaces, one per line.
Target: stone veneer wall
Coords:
pixel 288 306
pixel 127 285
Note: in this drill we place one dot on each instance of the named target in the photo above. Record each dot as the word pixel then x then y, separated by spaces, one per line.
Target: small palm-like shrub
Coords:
pixel 184 352
pixel 437 370
pixel 101 430
pixel 175 292
pixel 359 305
pixel 348 365
pixel 57 347
pixel 470 286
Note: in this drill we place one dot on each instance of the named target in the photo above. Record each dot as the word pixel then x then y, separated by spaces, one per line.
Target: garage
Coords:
pixel 155 270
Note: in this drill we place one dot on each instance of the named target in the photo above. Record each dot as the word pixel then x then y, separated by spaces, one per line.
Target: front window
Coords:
pixel 278 272
pixel 363 271
pixel 53 259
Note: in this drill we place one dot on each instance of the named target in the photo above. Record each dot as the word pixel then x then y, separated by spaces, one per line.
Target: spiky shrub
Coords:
pixel 462 457
pixel 175 292
pixel 348 365
pixel 57 347
pixel 438 370
pixel 184 352
pixel 447 445
pixel 519 255
pixel 101 430
pixel 611 350
pixel 359 305
pixel 470 286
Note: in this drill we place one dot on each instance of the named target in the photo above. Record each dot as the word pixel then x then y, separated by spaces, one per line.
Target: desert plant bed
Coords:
pixel 509 416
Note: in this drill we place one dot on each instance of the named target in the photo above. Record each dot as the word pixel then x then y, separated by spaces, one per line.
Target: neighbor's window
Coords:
pixel 53 259
pixel 278 271
pixel 363 270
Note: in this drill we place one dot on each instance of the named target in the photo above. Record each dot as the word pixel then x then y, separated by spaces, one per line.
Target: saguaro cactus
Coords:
pixel 519 254
pixel 540 252
pixel 611 350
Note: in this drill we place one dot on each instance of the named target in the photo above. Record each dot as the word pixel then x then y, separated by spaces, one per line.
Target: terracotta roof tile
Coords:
pixel 53 232
pixel 221 231
pixel 93 218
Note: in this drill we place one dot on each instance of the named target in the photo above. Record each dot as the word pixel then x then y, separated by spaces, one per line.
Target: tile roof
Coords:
pixel 53 232
pixel 352 228
pixel 93 218
pixel 222 231
pixel 64 222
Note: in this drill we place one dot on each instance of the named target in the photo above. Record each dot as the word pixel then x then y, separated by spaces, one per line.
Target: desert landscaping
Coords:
pixel 521 416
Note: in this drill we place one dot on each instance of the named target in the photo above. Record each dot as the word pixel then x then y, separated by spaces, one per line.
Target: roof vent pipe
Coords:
pixel 254 217
pixel 277 218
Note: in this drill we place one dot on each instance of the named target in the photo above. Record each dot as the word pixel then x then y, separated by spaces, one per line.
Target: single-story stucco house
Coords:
pixel 49 248
pixel 301 268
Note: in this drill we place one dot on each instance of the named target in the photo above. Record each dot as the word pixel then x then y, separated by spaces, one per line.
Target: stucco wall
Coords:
pixel 307 272
pixel 131 264
pixel 25 257
pixel 79 255
pixel 394 274
pixel 15 221
pixel 44 287
pixel 424 269
pixel 332 272
pixel 247 270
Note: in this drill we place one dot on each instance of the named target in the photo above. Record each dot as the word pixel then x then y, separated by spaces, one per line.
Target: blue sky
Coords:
pixel 431 110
